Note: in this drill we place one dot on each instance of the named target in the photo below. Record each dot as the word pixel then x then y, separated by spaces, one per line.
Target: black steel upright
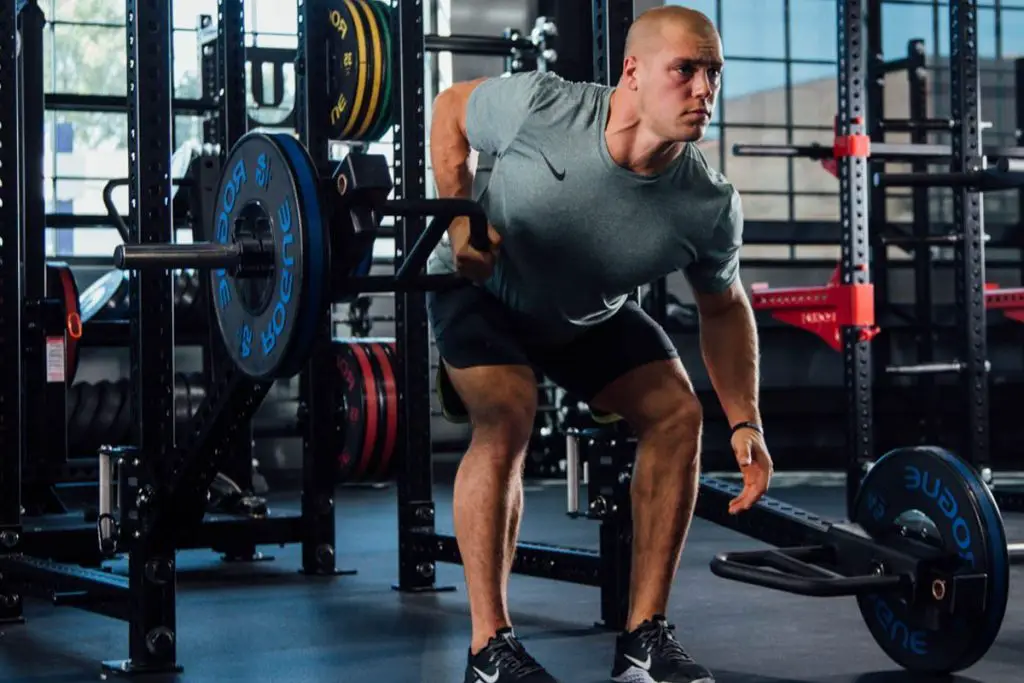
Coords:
pixel 311 114
pixel 224 70
pixel 854 229
pixel 152 644
pixel 924 309
pixel 34 210
pixel 612 19
pixel 969 252
pixel 10 301
pixel 412 363
pixel 878 214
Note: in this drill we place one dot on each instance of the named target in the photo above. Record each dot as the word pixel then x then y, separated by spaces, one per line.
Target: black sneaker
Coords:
pixel 651 654
pixel 505 660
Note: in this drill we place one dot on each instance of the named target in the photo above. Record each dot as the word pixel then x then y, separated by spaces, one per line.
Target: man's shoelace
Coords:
pixel 514 659
pixel 659 639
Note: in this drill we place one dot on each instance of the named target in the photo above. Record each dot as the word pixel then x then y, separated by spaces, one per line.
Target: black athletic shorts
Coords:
pixel 472 327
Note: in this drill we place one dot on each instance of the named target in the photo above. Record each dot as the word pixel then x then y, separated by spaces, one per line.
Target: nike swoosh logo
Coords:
pixel 645 665
pixel 493 678
pixel 554 172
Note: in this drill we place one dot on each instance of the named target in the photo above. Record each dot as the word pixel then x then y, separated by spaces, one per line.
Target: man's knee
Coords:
pixel 501 402
pixel 682 418
pixel 505 426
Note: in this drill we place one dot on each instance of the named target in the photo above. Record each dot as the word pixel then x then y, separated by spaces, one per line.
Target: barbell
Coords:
pixel 288 242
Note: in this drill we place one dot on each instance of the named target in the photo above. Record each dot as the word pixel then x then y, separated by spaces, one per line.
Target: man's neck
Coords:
pixel 631 145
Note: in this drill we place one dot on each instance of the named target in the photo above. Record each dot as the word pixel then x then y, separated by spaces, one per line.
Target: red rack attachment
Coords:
pixel 1009 301
pixel 823 311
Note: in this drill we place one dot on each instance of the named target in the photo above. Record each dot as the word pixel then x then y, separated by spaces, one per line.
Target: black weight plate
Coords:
pixel 959 514
pixel 106 415
pixel 269 187
pixel 384 111
pixel 347 73
pixel 351 411
pixel 70 403
pixel 375 46
pixel 85 411
pixel 123 424
pixel 97 295
pixel 91 437
pixel 182 406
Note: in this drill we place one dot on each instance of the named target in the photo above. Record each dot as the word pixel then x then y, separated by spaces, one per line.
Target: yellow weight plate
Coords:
pixel 347 77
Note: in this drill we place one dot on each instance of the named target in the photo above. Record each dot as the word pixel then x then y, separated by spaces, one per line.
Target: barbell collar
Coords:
pixel 200 256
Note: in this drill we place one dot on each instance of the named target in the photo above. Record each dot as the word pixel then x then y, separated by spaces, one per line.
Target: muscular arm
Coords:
pixel 449 143
pixel 728 337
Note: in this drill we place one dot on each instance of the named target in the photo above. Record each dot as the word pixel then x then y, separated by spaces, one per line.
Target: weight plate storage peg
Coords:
pixel 928 498
pixel 267 203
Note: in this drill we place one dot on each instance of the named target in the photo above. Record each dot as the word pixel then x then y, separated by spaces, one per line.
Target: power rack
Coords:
pixel 842 312
pixel 162 478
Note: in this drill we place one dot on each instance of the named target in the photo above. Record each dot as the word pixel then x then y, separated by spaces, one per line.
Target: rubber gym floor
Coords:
pixel 264 623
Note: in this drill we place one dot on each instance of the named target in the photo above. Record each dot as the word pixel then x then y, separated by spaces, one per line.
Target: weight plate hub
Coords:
pixel 268 193
pixel 960 517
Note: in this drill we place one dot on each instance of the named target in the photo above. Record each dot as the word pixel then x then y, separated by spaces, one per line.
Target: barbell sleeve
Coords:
pixel 988 180
pixel 203 255
pixel 1007 165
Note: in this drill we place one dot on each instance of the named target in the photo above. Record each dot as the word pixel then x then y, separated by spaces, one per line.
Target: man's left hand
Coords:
pixel 755 466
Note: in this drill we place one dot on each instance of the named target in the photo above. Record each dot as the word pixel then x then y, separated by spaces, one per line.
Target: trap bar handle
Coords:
pixel 444 212
pixel 790 570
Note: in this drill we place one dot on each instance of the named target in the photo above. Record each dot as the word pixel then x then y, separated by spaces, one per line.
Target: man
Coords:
pixel 595 191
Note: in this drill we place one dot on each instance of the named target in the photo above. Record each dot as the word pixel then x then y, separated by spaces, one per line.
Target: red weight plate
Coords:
pixel 384 355
pixel 352 409
pixel 372 425
pixel 62 284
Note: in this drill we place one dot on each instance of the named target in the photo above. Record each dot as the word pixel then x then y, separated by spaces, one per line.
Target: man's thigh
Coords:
pixel 484 367
pixel 602 365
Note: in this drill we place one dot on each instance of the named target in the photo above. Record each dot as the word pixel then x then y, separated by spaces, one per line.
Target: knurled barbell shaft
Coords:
pixel 202 255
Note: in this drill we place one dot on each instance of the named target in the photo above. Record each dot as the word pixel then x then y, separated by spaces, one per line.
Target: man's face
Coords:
pixel 679 83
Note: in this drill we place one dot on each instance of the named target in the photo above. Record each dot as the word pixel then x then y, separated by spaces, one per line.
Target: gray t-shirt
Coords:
pixel 579 232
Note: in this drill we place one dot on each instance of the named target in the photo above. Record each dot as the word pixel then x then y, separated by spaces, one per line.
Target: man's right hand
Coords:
pixel 469 263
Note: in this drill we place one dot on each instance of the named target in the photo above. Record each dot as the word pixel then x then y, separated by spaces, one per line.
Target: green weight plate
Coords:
pixel 375 72
pixel 348 57
pixel 384 110
pixel 269 191
pixel 929 496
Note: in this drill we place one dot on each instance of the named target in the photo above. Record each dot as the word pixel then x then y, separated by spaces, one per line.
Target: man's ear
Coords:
pixel 629 68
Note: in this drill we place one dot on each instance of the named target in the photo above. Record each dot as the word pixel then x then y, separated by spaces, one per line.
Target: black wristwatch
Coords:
pixel 747 425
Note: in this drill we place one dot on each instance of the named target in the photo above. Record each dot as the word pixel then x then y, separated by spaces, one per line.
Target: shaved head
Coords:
pixel 653 28
pixel 671 74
